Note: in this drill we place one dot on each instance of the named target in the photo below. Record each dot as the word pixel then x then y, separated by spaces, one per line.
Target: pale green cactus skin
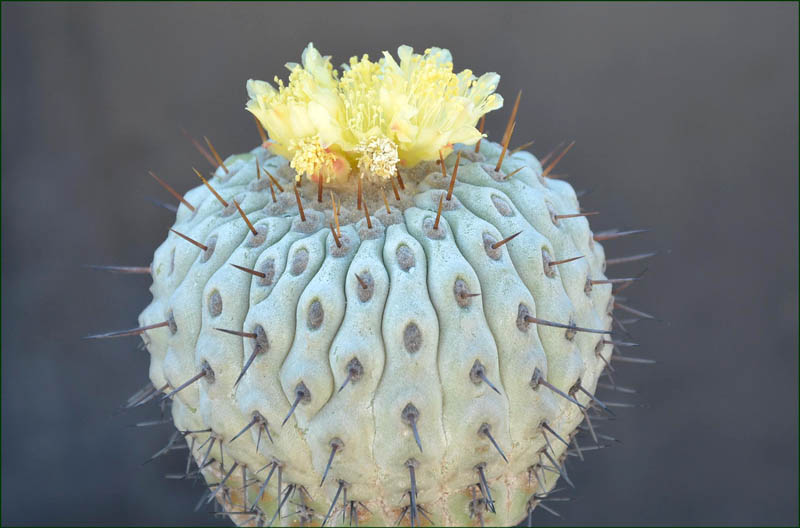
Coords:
pixel 414 336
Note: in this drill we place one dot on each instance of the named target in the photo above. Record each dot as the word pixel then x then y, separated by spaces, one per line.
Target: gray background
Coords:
pixel 686 121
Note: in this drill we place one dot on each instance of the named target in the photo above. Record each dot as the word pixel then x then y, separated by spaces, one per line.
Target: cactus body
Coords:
pixel 422 327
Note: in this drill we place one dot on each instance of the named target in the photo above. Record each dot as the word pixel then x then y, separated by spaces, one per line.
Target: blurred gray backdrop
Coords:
pixel 686 122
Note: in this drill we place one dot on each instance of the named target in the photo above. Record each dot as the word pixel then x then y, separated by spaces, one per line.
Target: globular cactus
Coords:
pixel 376 315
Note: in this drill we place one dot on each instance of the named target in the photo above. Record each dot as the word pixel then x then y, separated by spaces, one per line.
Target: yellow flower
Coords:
pixel 431 107
pixel 285 112
pixel 311 158
pixel 376 116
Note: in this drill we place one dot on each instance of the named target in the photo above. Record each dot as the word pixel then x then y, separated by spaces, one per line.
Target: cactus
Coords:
pixel 377 315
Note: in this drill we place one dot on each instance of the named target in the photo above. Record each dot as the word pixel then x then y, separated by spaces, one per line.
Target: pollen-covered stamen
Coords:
pixel 379 158
pixel 311 158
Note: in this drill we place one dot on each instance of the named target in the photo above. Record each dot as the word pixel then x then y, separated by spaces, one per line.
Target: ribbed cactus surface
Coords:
pixel 413 350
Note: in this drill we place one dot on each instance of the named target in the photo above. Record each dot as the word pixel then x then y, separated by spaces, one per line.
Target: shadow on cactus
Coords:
pixel 378 316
